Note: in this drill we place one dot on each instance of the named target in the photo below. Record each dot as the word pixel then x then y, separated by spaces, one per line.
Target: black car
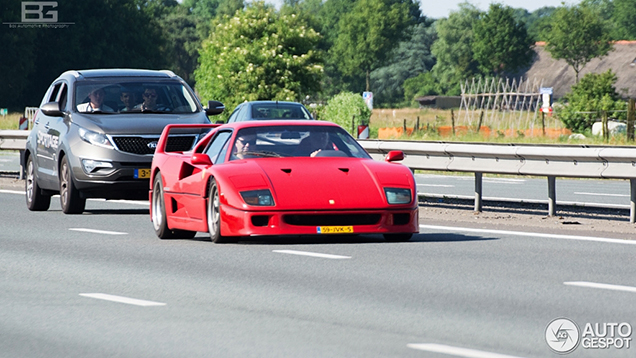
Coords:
pixel 95 133
pixel 258 110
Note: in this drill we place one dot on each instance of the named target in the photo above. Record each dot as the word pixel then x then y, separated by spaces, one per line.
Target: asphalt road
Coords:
pixel 102 285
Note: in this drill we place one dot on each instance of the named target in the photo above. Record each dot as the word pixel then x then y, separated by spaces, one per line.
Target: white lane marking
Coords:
pixel 312 254
pixel 601 194
pixel 603 286
pixel 120 299
pixel 456 351
pixel 11 192
pixel 437 185
pixel 531 234
pixel 99 231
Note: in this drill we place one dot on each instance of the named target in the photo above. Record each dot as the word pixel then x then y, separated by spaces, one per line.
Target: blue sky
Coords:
pixel 437 8
pixel 441 8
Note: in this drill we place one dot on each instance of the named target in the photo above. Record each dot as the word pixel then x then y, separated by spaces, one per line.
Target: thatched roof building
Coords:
pixel 560 76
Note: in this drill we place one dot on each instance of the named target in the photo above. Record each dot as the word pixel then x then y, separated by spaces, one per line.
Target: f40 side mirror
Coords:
pixel 394 156
pixel 200 159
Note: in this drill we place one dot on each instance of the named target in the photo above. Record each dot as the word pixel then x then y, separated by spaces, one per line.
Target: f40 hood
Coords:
pixel 323 183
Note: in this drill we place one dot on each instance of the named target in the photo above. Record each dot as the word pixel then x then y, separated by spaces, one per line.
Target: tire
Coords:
pixel 159 220
pixel 35 199
pixel 70 199
pixel 397 237
pixel 214 216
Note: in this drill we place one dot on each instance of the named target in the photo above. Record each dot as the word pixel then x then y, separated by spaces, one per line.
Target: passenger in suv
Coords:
pixel 83 146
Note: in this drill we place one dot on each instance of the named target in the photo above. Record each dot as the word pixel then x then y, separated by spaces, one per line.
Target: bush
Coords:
pixel 342 107
pixel 593 94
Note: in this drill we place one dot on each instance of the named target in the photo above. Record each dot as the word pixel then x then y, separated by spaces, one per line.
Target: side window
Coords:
pixel 55 92
pixel 62 96
pixel 234 116
pixel 217 146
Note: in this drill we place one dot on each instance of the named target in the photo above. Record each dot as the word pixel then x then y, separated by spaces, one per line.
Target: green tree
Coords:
pixel 347 109
pixel 453 53
pixel 259 54
pixel 536 21
pixel 593 94
pixel 100 36
pixel 624 19
pixel 369 33
pixel 500 43
pixel 410 58
pixel 577 34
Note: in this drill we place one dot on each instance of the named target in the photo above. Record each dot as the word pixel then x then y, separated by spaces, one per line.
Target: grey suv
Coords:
pixel 96 132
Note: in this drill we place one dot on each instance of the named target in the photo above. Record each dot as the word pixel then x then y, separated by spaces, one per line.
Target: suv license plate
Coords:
pixel 142 173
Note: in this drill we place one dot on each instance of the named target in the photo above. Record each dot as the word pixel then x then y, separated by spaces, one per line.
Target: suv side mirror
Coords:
pixel 52 109
pixel 214 108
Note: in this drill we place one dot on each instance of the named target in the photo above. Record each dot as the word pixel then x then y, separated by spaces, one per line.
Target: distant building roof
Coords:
pixel 560 76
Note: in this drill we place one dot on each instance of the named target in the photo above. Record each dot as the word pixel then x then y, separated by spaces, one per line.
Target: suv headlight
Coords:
pixel 258 197
pixel 397 195
pixel 94 138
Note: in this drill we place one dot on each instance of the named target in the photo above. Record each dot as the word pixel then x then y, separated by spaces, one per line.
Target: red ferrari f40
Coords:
pixel 273 178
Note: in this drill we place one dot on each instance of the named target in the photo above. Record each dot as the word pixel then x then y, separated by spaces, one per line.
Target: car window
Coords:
pixel 121 96
pixel 234 116
pixel 279 111
pixel 62 96
pixel 294 141
pixel 216 147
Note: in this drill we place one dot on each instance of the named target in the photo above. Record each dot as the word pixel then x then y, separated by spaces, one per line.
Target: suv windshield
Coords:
pixel 117 95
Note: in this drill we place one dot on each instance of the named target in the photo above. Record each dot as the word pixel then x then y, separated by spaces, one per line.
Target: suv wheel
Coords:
pixel 70 199
pixel 35 199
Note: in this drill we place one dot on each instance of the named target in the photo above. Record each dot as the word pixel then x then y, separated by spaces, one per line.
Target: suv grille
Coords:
pixel 142 145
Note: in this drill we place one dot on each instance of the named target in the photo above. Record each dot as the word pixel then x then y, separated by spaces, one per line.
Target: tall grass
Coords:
pixel 498 128
pixel 10 121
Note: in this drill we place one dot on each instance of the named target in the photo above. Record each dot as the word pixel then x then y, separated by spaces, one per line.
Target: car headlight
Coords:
pixel 398 195
pixel 258 197
pixel 95 138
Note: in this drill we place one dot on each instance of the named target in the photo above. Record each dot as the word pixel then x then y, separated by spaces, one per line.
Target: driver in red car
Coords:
pixel 244 144
pixel 315 143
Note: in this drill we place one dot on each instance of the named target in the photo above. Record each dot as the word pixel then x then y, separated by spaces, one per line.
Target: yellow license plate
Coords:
pixel 334 229
pixel 142 173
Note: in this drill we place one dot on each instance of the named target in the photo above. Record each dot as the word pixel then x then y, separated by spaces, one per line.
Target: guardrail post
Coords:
pixel 632 200
pixel 551 196
pixel 630 120
pixel 606 134
pixel 478 191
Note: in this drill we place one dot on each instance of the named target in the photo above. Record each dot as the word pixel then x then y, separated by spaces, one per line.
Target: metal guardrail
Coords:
pixel 13 139
pixel 576 161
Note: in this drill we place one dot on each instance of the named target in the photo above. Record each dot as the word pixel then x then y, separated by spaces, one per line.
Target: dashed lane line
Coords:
pixel 312 254
pixel 456 351
pixel 121 299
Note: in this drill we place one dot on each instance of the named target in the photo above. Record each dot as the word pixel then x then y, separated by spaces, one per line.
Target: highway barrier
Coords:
pixel 551 161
